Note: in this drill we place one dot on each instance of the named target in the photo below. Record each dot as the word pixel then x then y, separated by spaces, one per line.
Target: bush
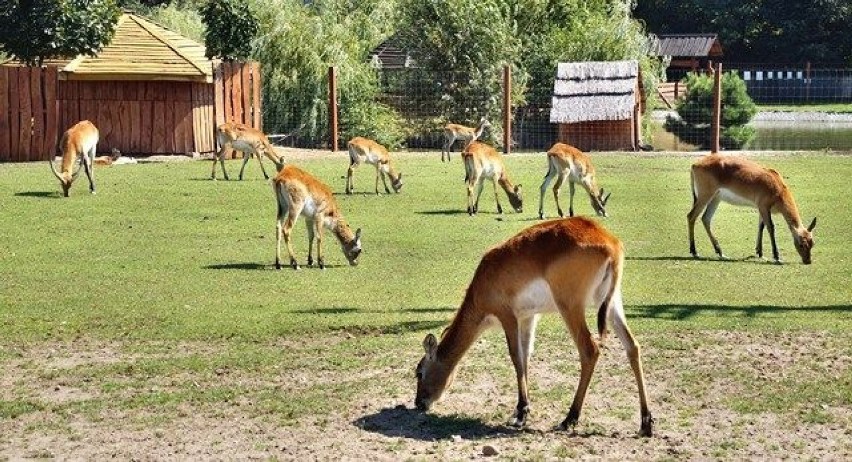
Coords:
pixel 695 111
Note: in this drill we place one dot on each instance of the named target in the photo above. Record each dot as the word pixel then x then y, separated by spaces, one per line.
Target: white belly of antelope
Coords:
pixel 371 158
pixel 726 195
pixel 535 298
pixel 242 146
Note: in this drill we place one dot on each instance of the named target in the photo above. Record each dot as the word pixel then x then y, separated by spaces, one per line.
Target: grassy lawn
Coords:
pixel 156 301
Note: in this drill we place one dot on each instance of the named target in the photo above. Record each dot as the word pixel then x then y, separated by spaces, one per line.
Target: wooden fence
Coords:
pixel 135 117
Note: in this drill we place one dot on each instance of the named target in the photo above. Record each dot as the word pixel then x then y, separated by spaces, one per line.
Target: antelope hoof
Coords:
pixel 500 210
pixel 294 264
pixel 778 261
pixel 570 421
pixel 541 216
pixel 561 215
pixel 277 265
pixel 647 427
pixel 310 261
pixel 321 264
pixel 570 212
pixel 723 257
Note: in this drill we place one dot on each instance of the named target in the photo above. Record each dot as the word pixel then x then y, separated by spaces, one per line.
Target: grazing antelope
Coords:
pixel 299 193
pixel 567 161
pixel 453 132
pixel 482 161
pixel 375 154
pixel 247 140
pixel 739 181
pixel 557 266
pixel 81 141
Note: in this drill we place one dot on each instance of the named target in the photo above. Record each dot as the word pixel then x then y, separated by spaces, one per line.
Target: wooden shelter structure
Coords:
pixel 688 52
pixel 149 91
pixel 598 105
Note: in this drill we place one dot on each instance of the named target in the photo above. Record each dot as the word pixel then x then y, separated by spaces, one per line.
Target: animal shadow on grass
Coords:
pixel 40 194
pixel 260 266
pixel 681 312
pixel 750 259
pixel 443 212
pixel 414 424
pixel 393 329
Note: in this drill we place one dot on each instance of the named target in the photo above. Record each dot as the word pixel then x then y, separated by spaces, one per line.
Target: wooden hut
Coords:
pixel 688 52
pixel 598 105
pixel 149 91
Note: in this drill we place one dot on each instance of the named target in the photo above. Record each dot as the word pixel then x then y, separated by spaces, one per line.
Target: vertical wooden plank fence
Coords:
pixel 134 116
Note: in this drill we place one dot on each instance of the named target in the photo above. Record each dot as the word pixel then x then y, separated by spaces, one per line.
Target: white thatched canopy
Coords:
pixel 594 91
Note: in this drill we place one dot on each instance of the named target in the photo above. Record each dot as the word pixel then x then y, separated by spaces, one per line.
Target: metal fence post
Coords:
pixel 717 107
pixel 507 109
pixel 332 107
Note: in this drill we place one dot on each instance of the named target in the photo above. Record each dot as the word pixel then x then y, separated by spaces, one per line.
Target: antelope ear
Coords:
pixel 517 188
pixel 812 225
pixel 430 345
pixel 358 234
pixel 399 177
pixel 605 199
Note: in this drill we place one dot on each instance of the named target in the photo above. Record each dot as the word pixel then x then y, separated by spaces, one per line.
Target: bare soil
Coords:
pixel 694 382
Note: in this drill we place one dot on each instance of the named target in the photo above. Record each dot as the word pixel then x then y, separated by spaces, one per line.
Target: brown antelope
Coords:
pixel 299 193
pixel 739 181
pixel 482 161
pixel 81 141
pixel 375 154
pixel 247 140
pixel 454 132
pixel 567 161
pixel 557 266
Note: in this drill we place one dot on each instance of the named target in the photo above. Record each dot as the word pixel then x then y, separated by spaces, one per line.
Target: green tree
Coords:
pixel 231 27
pixel 760 30
pixel 695 112
pixel 296 45
pixel 36 30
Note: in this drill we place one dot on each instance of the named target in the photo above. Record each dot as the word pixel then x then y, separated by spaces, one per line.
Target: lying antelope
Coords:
pixel 374 154
pixel 247 140
pixel 567 161
pixel 299 193
pixel 454 132
pixel 81 141
pixel 482 161
pixel 556 266
pixel 739 181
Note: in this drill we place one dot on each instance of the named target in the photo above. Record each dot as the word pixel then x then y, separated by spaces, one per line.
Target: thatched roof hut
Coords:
pixel 598 105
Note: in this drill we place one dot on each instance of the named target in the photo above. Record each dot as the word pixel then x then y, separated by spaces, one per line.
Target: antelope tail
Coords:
pixel 692 186
pixel 615 273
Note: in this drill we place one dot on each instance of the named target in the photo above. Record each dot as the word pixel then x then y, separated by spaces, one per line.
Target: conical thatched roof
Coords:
pixel 594 91
pixel 140 50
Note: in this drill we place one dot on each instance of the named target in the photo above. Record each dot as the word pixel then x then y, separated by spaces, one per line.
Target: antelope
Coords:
pixel 299 193
pixel 567 161
pixel 482 161
pixel 81 141
pixel 247 140
pixel 453 132
pixel 739 181
pixel 559 266
pixel 376 155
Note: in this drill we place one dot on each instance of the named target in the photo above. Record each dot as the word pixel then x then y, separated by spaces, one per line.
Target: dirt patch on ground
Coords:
pixel 713 394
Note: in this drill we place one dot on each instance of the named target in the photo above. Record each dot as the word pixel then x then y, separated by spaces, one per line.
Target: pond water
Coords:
pixel 778 135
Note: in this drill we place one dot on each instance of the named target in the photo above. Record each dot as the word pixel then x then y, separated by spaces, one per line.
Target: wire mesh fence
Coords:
pixel 796 108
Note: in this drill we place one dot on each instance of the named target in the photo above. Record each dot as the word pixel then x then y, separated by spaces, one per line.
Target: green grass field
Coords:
pixel 828 107
pixel 156 300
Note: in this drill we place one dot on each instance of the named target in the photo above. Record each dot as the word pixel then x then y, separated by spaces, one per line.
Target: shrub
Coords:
pixel 695 111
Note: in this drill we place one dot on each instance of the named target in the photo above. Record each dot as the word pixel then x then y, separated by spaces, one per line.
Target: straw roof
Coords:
pixel 594 91
pixel 686 45
pixel 140 50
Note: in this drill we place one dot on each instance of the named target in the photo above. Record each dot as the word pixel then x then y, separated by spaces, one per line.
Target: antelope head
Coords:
pixel 599 202
pixel 803 239
pixel 433 376
pixel 66 178
pixel 396 183
pixel 349 242
pixel 516 199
